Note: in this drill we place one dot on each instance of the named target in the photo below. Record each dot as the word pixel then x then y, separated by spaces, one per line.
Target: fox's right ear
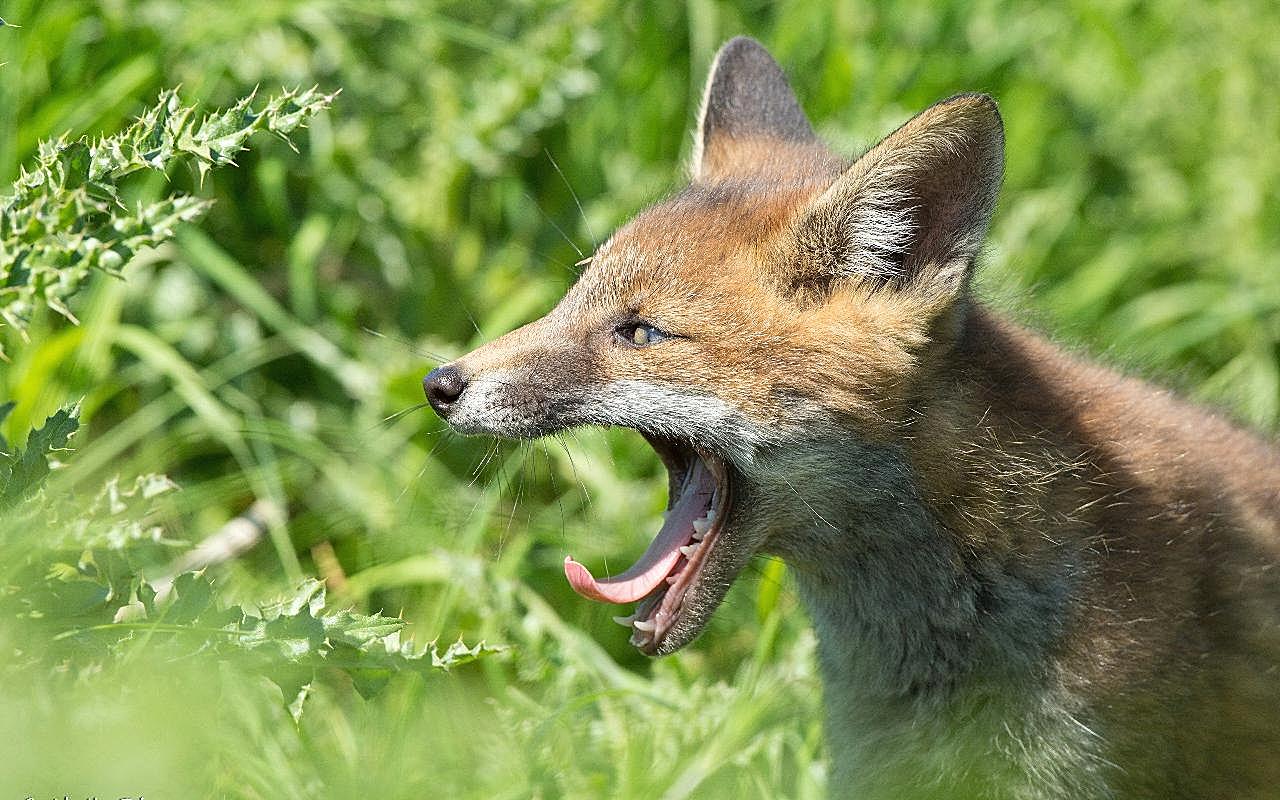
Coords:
pixel 746 105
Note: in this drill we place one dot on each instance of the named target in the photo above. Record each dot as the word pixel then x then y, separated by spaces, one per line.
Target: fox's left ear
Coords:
pixel 912 212
pixel 747 109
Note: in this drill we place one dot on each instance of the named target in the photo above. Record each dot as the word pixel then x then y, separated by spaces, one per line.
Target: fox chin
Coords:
pixel 1030 576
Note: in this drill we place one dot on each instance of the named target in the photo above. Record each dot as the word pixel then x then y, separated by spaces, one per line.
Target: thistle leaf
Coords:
pixel 23 471
pixel 65 217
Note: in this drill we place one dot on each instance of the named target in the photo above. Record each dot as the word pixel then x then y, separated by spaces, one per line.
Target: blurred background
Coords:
pixel 476 151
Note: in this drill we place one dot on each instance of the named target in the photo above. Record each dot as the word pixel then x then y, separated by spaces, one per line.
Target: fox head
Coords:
pixel 767 330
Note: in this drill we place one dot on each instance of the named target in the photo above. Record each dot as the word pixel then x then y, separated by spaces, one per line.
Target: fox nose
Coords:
pixel 443 386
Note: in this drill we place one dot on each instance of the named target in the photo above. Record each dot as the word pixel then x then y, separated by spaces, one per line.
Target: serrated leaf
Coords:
pixel 295 706
pixel 458 654
pixel 74 161
pixel 146 594
pixel 114 520
pixel 67 592
pixel 291 641
pixel 65 218
pixel 193 594
pixel 310 595
pixel 22 472
pixel 361 631
pixel 369 681
pixel 295 637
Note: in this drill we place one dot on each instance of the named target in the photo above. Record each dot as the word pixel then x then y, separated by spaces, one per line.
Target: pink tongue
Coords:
pixel 664 551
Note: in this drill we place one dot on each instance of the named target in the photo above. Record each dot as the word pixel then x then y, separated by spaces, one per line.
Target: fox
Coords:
pixel 1029 575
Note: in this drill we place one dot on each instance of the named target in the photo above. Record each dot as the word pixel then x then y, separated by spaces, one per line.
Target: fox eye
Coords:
pixel 640 334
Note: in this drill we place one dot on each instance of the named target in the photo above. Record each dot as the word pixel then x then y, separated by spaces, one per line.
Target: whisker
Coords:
pixel 426 462
pixel 467 311
pixel 388 421
pixel 600 435
pixel 479 498
pixel 574 468
pixel 551 259
pixel 553 224
pixel 417 479
pixel 783 586
pixel 504 486
pixel 551 474
pixel 488 456
pixel 812 510
pixel 585 222
pixel 415 349
pixel 515 505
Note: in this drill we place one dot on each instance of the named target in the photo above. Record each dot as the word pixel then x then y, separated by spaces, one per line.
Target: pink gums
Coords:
pixel 649 572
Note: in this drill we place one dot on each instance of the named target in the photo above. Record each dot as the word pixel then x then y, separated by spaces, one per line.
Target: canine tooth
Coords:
pixel 644 625
pixel 701 526
pixel 688 550
pixel 625 621
pixel 711 515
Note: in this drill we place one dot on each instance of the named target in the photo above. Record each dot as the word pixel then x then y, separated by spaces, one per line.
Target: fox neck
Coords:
pixel 904 611
pixel 931 568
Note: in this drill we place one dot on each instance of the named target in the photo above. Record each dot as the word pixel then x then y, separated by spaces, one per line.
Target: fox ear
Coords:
pixel 913 211
pixel 747 102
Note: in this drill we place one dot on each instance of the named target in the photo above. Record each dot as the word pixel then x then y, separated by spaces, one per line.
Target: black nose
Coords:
pixel 443 386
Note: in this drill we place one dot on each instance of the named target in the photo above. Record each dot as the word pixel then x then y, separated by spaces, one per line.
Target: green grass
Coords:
pixel 265 353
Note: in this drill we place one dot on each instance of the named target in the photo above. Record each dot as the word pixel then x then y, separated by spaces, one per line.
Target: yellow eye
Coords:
pixel 640 334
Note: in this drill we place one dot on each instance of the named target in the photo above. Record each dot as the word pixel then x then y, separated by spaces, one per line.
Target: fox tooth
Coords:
pixel 644 625
pixel 625 621
pixel 711 515
pixel 688 550
pixel 700 527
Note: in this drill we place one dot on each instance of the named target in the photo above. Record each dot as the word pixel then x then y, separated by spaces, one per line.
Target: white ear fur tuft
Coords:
pixel 915 207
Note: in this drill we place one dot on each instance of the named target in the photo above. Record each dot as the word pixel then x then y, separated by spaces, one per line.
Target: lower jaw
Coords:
pixel 659 615
pixel 666 608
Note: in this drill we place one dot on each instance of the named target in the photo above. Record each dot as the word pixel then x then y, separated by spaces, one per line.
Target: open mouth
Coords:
pixel 659 582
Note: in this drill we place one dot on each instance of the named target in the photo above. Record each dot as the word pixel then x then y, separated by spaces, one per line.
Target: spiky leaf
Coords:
pixel 22 471
pixel 65 217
